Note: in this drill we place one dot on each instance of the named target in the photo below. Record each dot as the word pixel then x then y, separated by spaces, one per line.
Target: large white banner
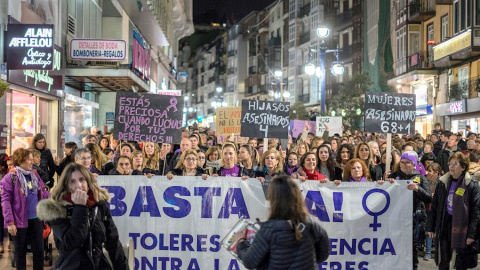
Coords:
pixel 179 224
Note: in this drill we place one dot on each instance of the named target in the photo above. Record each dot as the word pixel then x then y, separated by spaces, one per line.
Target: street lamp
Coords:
pixel 336 69
pixel 278 93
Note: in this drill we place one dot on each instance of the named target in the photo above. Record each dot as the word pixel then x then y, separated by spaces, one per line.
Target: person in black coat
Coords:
pixel 124 167
pixel 419 184
pixel 444 154
pixel 455 204
pixel 81 222
pixel 326 163
pixel 46 163
pixel 187 166
pixel 290 238
pixel 70 148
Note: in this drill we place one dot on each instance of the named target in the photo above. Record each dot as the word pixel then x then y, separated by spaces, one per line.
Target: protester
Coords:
pixel 474 168
pixel 229 166
pixel 304 243
pixel 444 155
pixel 124 167
pixel 126 149
pixel 90 139
pixel 270 166
pixel 99 159
pixel 82 223
pixel 345 152
pixel 355 171
pixel 201 159
pixel 104 143
pixel 453 221
pixel 308 169
pixel 326 164
pixel 137 162
pixel 185 144
pixel 151 157
pixel 22 189
pixel 301 149
pixel 213 156
pixel 110 157
pixel 187 166
pixel 363 152
pixel 291 163
pixel 419 185
pixel 383 162
pixel 84 158
pixel 165 157
pixel 248 158
pixel 36 166
pixel 47 163
pixel 69 150
pixel 434 171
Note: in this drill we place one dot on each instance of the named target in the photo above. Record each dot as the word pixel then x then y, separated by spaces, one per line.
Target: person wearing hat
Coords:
pixel 421 191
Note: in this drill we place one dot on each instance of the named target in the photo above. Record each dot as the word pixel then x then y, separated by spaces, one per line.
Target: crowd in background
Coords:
pixel 440 159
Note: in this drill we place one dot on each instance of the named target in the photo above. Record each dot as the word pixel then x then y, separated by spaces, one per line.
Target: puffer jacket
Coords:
pixel 423 195
pixel 274 247
pixel 438 208
pixel 71 233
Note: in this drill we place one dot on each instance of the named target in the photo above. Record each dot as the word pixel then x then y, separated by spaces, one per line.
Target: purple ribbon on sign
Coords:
pixel 173 104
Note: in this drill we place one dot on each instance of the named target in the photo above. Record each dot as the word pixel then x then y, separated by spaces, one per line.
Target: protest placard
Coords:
pixel 183 221
pixel 148 118
pixel 229 120
pixel 297 126
pixel 221 139
pixel 390 112
pixel 334 125
pixel 265 119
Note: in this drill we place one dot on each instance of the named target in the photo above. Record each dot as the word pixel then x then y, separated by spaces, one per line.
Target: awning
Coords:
pixel 96 78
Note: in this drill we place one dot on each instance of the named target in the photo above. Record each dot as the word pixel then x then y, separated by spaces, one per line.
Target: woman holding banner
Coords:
pixel 270 166
pixel 453 220
pixel 81 222
pixel 187 166
pixel 248 158
pixel 356 171
pixel 364 152
pixel 229 166
pixel 308 169
pixel 345 152
pixel 304 243
pixel 291 163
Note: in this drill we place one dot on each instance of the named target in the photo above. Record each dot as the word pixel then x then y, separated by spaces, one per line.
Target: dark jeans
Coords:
pixel 33 234
pixel 446 256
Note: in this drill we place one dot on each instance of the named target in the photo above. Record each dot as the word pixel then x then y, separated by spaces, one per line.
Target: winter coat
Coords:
pixel 47 164
pixel 108 167
pixel 179 172
pixel 44 175
pixel 423 195
pixel 275 247
pixel 67 160
pixel 442 158
pixel 14 202
pixel 375 172
pixel 71 231
pixel 243 171
pixel 474 170
pixel 438 209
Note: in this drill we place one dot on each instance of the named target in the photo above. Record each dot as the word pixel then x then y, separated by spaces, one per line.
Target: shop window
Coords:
pixel 21 116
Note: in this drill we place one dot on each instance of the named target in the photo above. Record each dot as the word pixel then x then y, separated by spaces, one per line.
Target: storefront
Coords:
pixel 423 102
pixel 35 75
pixel 78 113
pixel 461 113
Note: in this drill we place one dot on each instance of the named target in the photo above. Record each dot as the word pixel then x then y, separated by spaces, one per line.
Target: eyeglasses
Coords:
pixel 453 164
pixel 85 158
pixel 190 159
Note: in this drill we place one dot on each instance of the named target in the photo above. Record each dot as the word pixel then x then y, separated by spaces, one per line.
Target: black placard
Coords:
pixel 265 119
pixel 148 118
pixel 390 112
pixel 29 46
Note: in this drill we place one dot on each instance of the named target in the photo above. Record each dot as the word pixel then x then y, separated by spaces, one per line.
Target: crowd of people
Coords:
pixel 441 168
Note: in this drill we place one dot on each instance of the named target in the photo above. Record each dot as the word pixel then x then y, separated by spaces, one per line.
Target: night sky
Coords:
pixel 208 11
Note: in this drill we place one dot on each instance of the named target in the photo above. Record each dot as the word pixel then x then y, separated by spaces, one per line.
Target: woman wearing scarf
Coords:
pixel 421 191
pixel 81 222
pixel 308 169
pixel 453 221
pixel 22 189
pixel 355 171
pixel 291 164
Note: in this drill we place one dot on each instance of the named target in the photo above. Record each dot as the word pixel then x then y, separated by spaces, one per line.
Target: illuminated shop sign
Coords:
pixel 140 56
pixel 29 46
pixel 458 107
pixel 42 80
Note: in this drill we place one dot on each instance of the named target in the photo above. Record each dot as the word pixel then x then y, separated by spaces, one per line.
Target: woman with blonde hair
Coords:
pixel 151 157
pixel 81 222
pixel 229 163
pixel 187 166
pixel 99 159
pixel 271 164
pixel 301 149
pixel 364 153
pixel 304 243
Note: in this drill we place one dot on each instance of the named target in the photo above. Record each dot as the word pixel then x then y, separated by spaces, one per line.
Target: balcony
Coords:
pixel 305 37
pixel 421 10
pixel 232 53
pixel 346 17
pixel 346 53
pixel 252 90
pixel 252 70
pixel 419 61
pixel 458 48
pixel 231 71
pixel 458 90
pixel 305 98
pixel 304 11
pixel 276 41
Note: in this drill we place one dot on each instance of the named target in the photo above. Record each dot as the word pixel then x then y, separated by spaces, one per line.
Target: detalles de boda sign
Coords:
pixel 179 224
pixel 29 46
pixel 98 49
